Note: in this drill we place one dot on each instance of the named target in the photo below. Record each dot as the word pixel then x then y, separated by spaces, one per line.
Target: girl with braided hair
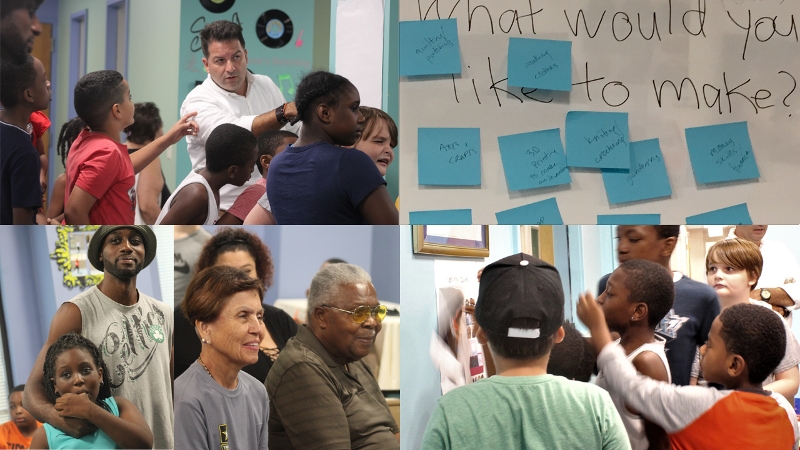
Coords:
pixel 318 180
pixel 77 380
pixel 69 132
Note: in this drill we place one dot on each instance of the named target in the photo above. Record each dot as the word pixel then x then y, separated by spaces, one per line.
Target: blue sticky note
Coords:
pixel 540 64
pixel 441 217
pixel 449 156
pixel 598 140
pixel 647 177
pixel 544 212
pixel 535 159
pixel 629 219
pixel 721 153
pixel 732 215
pixel 429 47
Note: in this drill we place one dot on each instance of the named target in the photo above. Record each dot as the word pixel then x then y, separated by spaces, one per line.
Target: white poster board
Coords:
pixel 742 57
pixel 359 47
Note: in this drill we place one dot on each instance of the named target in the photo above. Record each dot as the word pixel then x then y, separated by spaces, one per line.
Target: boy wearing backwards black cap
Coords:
pixel 742 349
pixel 520 310
pixel 132 329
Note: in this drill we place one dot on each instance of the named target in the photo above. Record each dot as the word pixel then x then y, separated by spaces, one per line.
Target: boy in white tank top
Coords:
pixel 638 295
pixel 230 158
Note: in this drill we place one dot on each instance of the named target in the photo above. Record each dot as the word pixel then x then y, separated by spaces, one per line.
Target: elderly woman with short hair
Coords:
pixel 217 405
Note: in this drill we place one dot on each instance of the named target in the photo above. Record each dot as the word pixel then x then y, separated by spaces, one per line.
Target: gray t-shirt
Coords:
pixel 187 250
pixel 208 416
pixel 135 342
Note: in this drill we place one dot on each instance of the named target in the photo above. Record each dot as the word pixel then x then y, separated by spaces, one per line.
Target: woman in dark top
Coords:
pixel 237 248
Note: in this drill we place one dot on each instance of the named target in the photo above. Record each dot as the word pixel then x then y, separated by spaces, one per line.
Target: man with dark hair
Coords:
pixel 18 28
pixel 132 329
pixel 520 311
pixel 100 173
pixel 23 89
pixel 230 157
pixel 686 325
pixel 231 94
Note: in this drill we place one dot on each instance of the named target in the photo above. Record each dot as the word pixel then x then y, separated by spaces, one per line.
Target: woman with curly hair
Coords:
pixel 77 380
pixel 237 248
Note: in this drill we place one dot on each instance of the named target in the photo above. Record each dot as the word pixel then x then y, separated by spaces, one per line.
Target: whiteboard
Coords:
pixel 748 50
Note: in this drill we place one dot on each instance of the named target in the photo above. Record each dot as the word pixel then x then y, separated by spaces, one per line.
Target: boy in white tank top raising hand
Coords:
pixel 638 295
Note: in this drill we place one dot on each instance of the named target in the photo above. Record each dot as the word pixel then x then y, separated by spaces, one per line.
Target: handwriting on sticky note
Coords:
pixel 606 140
pixel 429 47
pixel 534 159
pixel 540 63
pixel 461 152
pixel 721 153
pixel 647 178
pixel 598 140
pixel 449 156
pixel 433 45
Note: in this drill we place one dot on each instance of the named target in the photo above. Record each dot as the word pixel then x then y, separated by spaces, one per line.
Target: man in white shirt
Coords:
pixel 778 284
pixel 231 94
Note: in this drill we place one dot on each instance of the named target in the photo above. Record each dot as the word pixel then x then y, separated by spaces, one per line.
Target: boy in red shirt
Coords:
pixel 100 174
pixel 18 432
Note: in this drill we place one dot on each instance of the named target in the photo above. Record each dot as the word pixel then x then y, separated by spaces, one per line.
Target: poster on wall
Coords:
pixel 682 108
pixel 455 350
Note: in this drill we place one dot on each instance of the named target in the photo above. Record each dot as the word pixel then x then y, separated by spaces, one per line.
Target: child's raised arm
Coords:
pixel 184 127
pixel 129 430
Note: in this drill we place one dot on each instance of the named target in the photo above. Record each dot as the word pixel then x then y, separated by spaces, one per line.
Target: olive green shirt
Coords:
pixel 316 403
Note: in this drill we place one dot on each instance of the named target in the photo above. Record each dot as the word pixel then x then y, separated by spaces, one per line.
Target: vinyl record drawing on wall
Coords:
pixel 217 6
pixel 274 28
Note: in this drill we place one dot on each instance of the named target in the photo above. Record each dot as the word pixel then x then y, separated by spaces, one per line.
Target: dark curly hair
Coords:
pixel 667 231
pixel 756 334
pixel 220 31
pixel 14 79
pixel 233 239
pixel 69 132
pixel 146 123
pixel 67 342
pixel 649 283
pixel 317 88
pixel 573 358
pixel 95 94
pixel 229 145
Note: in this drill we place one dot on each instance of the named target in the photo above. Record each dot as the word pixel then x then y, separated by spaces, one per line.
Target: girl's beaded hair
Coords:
pixel 69 132
pixel 67 342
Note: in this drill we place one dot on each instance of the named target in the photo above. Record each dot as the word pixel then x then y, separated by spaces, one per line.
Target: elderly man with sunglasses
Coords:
pixel 321 394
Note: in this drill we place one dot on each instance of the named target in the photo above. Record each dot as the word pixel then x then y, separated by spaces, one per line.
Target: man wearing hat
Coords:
pixel 132 330
pixel 520 310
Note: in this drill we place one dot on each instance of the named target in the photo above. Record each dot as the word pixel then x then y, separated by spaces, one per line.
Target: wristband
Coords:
pixel 280 115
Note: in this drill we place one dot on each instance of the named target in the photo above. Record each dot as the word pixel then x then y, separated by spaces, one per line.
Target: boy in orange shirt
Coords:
pixel 745 344
pixel 18 432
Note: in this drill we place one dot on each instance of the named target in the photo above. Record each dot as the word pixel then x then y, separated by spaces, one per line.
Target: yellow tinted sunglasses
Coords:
pixel 362 313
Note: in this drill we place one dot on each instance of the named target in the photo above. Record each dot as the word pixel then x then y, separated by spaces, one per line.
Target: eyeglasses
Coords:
pixel 362 313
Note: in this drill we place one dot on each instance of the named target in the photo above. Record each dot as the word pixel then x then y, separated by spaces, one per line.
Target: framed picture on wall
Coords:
pixel 452 240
